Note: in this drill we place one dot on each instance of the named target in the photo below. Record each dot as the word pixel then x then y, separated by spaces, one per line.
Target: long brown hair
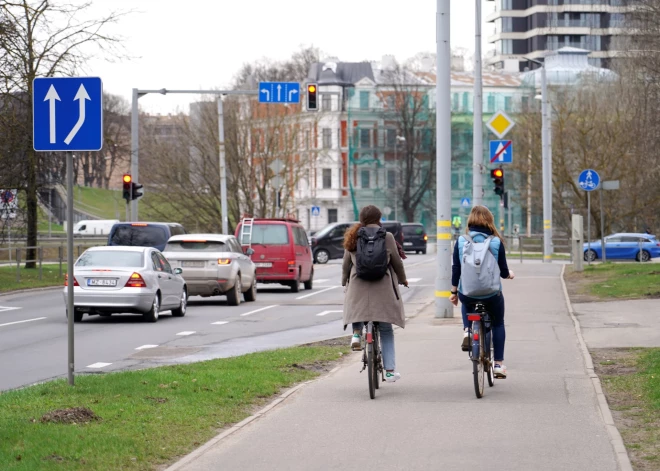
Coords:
pixel 481 216
pixel 368 215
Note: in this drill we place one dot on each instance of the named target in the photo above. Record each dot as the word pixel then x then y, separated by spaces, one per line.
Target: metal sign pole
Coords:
pixel 602 227
pixel 223 168
pixel 589 227
pixel 69 262
pixel 477 138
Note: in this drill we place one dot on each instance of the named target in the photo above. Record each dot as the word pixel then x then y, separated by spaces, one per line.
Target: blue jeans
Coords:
pixel 495 307
pixel 386 342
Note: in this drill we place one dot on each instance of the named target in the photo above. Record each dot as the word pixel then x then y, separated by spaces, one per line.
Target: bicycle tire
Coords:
pixel 478 365
pixel 371 363
pixel 490 364
pixel 379 357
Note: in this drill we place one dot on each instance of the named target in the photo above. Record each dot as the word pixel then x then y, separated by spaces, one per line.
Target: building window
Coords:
pixel 490 103
pixel 327 178
pixel 391 138
pixel 454 101
pixel 332 215
pixel 507 4
pixel 391 179
pixel 364 100
pixel 466 101
pixel 327 138
pixel 364 138
pixel 306 139
pixel 326 102
pixel 506 46
pixel 365 177
pixel 507 103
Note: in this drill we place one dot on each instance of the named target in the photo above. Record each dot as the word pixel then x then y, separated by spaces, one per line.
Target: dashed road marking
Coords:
pixel 9 308
pixel 21 322
pixel 99 365
pixel 317 292
pixel 325 313
pixel 219 322
pixel 414 280
pixel 144 347
pixel 322 280
pixel 187 332
pixel 258 310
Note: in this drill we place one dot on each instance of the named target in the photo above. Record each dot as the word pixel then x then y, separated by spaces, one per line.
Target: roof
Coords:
pixel 489 78
pixel 339 73
pixel 633 234
pixel 201 237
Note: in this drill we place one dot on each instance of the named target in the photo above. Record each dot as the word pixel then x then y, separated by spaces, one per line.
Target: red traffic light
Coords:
pixel 127 178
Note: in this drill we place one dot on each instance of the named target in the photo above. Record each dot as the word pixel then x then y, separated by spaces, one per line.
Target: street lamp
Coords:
pixel 397 175
pixel 546 153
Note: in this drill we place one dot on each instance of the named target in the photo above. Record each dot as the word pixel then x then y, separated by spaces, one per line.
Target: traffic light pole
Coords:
pixel 443 308
pixel 477 131
pixel 546 170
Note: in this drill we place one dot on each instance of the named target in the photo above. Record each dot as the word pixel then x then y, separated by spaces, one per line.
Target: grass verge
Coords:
pixel 137 420
pixel 30 278
pixel 631 382
pixel 614 281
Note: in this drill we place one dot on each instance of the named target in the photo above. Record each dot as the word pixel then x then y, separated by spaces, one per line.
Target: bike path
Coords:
pixel 544 416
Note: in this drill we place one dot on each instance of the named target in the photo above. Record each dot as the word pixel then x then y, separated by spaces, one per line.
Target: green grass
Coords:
pixel 623 280
pixel 535 256
pixel 148 417
pixel 30 278
pixel 100 202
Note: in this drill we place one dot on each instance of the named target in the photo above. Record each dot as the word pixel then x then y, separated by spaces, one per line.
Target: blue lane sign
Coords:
pixel 465 202
pixel 501 152
pixel 279 92
pixel 67 114
pixel 589 180
pixel 316 211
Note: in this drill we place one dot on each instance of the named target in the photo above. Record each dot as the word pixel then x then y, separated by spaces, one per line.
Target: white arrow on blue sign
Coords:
pixel 589 180
pixel 501 152
pixel 465 202
pixel 279 92
pixel 67 114
pixel 316 211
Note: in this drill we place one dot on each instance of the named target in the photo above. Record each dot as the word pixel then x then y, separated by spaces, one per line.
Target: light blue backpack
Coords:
pixel 480 272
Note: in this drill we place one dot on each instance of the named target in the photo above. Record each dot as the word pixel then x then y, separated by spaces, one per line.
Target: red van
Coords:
pixel 281 251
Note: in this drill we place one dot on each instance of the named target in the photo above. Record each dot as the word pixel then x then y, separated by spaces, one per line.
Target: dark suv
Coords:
pixel 396 229
pixel 415 237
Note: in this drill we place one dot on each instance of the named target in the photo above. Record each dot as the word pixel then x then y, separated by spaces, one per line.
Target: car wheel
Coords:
pixel 295 284
pixel 77 315
pixel 181 310
pixel 234 294
pixel 309 283
pixel 424 252
pixel 643 256
pixel 152 314
pixel 322 256
pixel 251 294
pixel 590 256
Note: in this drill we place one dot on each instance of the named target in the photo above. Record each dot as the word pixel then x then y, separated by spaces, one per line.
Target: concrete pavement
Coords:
pixel 545 416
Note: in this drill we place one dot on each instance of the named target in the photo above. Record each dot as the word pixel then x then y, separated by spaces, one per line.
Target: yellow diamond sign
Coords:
pixel 500 124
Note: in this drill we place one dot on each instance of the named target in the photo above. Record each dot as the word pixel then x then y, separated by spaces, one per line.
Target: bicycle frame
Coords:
pixel 481 339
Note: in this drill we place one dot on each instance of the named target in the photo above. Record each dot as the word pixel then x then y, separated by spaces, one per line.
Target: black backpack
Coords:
pixel 371 257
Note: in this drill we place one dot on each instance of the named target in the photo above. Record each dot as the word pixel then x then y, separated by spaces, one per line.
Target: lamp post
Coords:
pixel 397 175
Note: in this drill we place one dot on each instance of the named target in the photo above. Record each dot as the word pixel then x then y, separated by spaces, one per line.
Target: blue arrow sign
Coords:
pixel 316 211
pixel 501 152
pixel 589 180
pixel 465 202
pixel 67 114
pixel 279 92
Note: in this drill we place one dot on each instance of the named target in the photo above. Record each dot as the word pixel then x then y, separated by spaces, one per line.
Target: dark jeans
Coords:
pixel 495 307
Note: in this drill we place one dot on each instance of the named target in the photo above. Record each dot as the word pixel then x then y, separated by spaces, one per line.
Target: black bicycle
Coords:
pixel 372 358
pixel 481 351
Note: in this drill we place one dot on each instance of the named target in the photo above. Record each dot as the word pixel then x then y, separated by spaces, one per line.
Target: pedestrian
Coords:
pixel 371 277
pixel 471 285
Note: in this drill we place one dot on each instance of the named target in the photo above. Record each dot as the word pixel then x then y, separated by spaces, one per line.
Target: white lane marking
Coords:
pixel 99 365
pixel 414 280
pixel 317 292
pixel 322 280
pixel 8 308
pixel 20 322
pixel 186 332
pixel 325 313
pixel 144 347
pixel 258 310
pixel 219 322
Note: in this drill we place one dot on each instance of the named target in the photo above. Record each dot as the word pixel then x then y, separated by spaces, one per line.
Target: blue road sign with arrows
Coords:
pixel 67 114
pixel 501 152
pixel 589 180
pixel 279 92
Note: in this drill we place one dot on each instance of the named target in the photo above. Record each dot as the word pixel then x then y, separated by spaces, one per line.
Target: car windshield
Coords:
pixel 270 234
pixel 413 230
pixel 140 236
pixel 110 258
pixel 324 231
pixel 196 246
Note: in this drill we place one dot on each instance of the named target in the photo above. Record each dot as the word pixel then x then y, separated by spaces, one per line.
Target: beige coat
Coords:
pixel 374 300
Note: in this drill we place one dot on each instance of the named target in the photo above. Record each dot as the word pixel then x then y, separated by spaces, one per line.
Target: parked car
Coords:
pixel 144 234
pixel 396 229
pixel 214 265
pixel 328 243
pixel 281 252
pixel 415 237
pixel 631 246
pixel 94 226
pixel 136 280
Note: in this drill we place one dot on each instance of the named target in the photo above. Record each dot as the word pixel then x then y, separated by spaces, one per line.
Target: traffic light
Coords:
pixel 497 174
pixel 135 194
pixel 127 179
pixel 312 93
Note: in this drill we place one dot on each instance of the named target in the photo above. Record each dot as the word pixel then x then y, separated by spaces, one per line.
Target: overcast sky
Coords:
pixel 196 44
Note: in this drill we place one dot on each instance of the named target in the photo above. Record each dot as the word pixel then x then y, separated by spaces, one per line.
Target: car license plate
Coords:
pixel 407 243
pixel 263 264
pixel 101 282
pixel 192 263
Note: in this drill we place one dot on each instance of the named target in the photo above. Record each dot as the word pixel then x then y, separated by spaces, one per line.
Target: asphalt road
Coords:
pixel 33 327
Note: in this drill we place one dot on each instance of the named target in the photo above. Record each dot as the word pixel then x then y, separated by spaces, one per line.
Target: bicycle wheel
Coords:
pixel 379 358
pixel 478 364
pixel 490 364
pixel 371 370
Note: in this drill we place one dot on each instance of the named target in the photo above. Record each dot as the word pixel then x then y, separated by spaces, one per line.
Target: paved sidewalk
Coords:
pixel 545 416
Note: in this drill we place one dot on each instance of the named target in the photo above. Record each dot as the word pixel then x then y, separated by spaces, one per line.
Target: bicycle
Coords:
pixel 481 353
pixel 372 358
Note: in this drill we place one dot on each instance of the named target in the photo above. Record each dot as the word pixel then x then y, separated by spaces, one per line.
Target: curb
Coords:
pixel 30 290
pixel 615 437
pixel 192 456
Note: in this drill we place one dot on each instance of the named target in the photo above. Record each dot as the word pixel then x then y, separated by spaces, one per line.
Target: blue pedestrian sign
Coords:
pixel 465 202
pixel 501 152
pixel 67 114
pixel 316 211
pixel 279 92
pixel 589 180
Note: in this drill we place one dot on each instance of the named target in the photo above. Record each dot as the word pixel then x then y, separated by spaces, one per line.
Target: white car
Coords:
pixel 214 265
pixel 120 279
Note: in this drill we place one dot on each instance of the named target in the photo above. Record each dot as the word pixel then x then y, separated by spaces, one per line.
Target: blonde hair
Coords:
pixel 481 216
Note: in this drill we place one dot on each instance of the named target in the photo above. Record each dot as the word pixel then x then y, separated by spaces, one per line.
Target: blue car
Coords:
pixel 626 246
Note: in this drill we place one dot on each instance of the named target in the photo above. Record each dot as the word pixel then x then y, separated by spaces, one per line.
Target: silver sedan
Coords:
pixel 214 265
pixel 120 279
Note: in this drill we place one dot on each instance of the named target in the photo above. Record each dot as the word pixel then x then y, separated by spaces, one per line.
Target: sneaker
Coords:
pixel 356 343
pixel 391 377
pixel 500 371
pixel 465 346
